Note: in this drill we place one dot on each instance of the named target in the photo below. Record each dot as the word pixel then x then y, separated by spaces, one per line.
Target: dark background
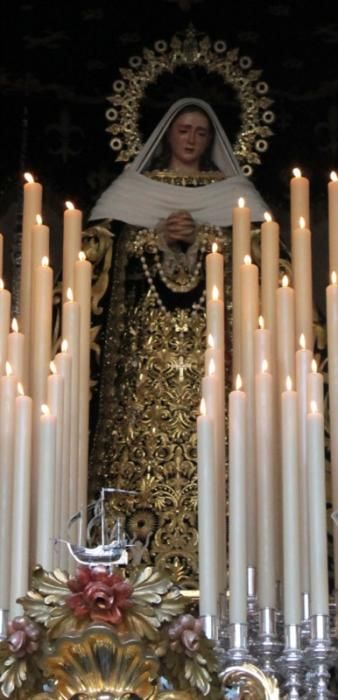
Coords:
pixel 57 69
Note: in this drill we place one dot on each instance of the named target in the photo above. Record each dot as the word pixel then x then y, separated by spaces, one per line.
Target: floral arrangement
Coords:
pixel 145 606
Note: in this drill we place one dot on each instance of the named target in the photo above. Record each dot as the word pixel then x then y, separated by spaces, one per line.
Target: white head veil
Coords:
pixel 136 199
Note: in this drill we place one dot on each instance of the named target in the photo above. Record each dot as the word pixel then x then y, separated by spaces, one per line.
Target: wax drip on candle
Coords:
pixel 267 216
pixel 247 260
pixel 69 205
pixel 285 281
pixel 297 172
pixel 265 366
pixel 9 370
pixel 64 345
pixel 203 408
pixel 313 407
pixel 38 219
pixel 333 277
pixel 288 383
pixel 261 322
pixel 241 202
pixel 28 177
pixel 45 410
pixel 70 295
pixel 314 366
pixel 211 368
pixel 20 389
pixel 302 343
pixel 82 256
pixel 215 293
pixel 45 261
pixel 15 326
pixel 211 342
pixel 333 176
pixel 52 367
pixel 238 383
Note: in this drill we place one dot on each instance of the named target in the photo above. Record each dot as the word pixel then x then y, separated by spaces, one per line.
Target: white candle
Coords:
pixel 315 387
pixel 291 516
pixel 303 365
pixel 302 274
pixel 83 278
pixel 16 351
pixel 72 232
pixel 41 331
pixel 207 516
pixel 249 315
pixel 32 204
pixel 19 576
pixel 63 364
pixel 237 507
pixel 71 332
pixel 300 199
pixel 214 272
pixel 269 266
pixel 46 456
pixel 241 223
pixel 55 399
pixel 333 221
pixel 7 422
pixel 215 319
pixel 266 523
pixel 332 343
pixel 5 310
pixel 319 589
pixel 263 345
pixel 286 344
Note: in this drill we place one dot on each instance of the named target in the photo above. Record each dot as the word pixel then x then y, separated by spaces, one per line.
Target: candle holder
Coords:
pixel 267 647
pixel 252 605
pixel 4 618
pixel 290 664
pixel 210 626
pixel 319 657
pixel 306 619
pixel 238 652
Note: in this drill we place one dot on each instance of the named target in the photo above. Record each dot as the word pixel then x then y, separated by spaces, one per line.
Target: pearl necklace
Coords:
pixel 196 306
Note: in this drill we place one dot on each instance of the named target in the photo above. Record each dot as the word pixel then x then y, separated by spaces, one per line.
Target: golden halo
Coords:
pixel 189 52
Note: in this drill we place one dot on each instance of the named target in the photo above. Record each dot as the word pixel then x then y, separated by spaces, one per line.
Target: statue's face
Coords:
pixel 188 137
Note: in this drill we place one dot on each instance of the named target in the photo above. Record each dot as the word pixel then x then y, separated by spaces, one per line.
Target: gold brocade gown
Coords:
pixel 150 387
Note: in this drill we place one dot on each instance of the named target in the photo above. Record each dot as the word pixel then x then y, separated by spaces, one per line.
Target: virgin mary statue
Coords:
pixel 157 221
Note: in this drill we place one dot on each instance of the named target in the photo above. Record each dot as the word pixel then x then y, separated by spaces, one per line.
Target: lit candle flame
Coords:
pixel 296 172
pixel 285 281
pixel 241 202
pixel 9 370
pixel 28 177
pixel 301 222
pixel 20 389
pixel 82 256
pixel 313 406
pixel 212 368
pixel 214 248
pixel 215 293
pixel 288 383
pixel 261 322
pixel 15 326
pixel 45 261
pixel 52 367
pixel 333 277
pixel 238 383
pixel 2 286
pixel 211 342
pixel 45 410
pixel 38 219
pixel 302 343
pixel 247 260
pixel 267 216
pixel 70 205
pixel 333 176
pixel 265 366
pixel 69 294
pixel 203 408
pixel 314 366
pixel 64 345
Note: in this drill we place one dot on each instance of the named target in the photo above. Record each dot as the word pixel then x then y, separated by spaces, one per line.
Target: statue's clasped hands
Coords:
pixel 180 227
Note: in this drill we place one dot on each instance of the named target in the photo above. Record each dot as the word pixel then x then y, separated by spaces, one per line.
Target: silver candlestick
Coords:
pixel 267 647
pixel 290 664
pixel 319 657
pixel 4 617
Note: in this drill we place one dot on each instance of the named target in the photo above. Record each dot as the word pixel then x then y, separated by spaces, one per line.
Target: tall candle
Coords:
pixel 45 489
pixel 71 332
pixel 5 310
pixel 19 576
pixel 286 344
pixel 72 232
pixel 7 422
pixel 332 343
pixel 16 351
pixel 291 516
pixel 241 223
pixel 215 319
pixel 263 347
pixel 319 588
pixel 333 222
pixel 249 315
pixel 32 205
pixel 207 516
pixel 237 507
pixel 55 398
pixel 63 364
pixel 300 199
pixel 303 365
pixel 83 277
pixel 302 272
pixel 269 265
pixel 214 272
pixel 266 524
pixel 315 387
